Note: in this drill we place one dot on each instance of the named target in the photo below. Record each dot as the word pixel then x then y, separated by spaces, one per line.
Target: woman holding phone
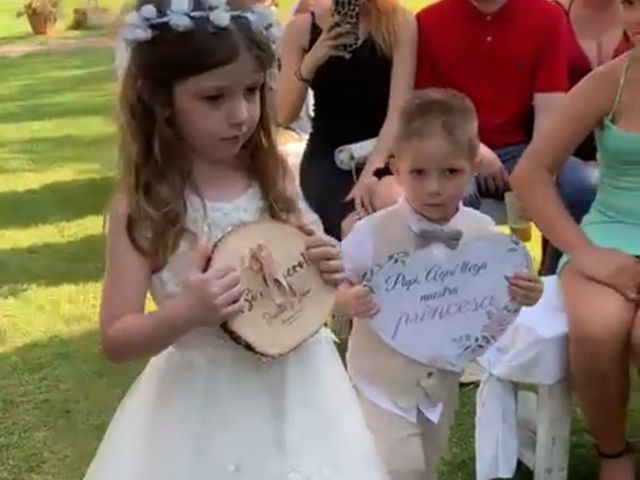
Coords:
pixel 359 78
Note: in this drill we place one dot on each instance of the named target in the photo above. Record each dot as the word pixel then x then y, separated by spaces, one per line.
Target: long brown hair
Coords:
pixel 154 174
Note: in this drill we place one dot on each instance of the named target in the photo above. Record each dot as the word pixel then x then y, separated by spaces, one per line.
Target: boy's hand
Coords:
pixel 525 288
pixel 357 301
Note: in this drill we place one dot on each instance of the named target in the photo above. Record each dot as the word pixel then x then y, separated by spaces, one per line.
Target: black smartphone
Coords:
pixel 348 14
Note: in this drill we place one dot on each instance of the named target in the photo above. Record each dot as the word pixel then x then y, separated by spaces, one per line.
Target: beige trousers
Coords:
pixel 412 451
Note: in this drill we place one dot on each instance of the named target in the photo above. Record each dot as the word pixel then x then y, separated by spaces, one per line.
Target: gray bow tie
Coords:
pixel 428 236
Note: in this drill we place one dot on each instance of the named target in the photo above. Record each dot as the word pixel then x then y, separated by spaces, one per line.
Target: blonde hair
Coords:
pixel 444 112
pixel 384 16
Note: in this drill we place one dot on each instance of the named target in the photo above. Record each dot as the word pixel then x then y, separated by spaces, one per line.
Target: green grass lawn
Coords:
pixel 57 159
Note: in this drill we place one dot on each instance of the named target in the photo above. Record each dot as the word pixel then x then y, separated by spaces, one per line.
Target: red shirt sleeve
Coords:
pixel 553 54
pixel 425 76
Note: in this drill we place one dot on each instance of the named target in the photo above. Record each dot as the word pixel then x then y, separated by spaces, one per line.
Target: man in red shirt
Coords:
pixel 509 57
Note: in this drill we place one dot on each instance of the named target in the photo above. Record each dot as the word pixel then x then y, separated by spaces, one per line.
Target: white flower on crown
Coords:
pixel 139 25
pixel 215 4
pixel 262 17
pixel 134 19
pixel 180 22
pixel 135 28
pixel 181 6
pixel 135 33
pixel 220 18
pixel 148 12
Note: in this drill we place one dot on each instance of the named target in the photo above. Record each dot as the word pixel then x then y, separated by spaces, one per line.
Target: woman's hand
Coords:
pixel 323 252
pixel 210 296
pixel 610 267
pixel 363 193
pixel 333 37
pixel 525 288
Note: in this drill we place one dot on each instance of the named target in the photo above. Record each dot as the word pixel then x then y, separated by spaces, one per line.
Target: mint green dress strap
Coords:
pixel 621 84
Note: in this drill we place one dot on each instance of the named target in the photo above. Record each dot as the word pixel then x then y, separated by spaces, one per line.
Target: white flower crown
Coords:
pixel 139 24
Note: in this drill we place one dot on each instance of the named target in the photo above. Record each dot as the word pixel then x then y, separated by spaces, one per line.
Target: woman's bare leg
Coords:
pixel 635 343
pixel 600 323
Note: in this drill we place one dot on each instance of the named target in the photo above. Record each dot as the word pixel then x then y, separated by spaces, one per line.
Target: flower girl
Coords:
pixel 198 158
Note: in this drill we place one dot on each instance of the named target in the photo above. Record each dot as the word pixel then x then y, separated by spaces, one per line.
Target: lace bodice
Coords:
pixel 209 224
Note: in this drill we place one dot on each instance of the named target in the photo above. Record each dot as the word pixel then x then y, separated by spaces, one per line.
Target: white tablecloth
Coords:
pixel 532 350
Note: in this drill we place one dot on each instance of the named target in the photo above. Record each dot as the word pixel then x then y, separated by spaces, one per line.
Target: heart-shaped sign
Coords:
pixel 446 307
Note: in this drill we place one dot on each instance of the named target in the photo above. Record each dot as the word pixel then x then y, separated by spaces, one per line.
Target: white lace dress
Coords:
pixel 205 409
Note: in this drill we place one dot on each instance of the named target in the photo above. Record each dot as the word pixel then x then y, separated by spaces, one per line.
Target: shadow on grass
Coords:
pixel 56 399
pixel 94 154
pixel 49 85
pixel 62 109
pixel 26 38
pixel 52 64
pixel 54 202
pixel 51 264
pixel 58 107
pixel 62 32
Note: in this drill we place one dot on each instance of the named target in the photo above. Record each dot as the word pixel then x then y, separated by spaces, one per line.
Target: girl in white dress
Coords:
pixel 198 158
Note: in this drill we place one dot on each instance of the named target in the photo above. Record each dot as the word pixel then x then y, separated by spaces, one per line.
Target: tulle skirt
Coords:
pixel 206 409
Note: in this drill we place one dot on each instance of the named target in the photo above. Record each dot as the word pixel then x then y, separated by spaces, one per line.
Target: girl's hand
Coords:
pixel 323 252
pixel 333 37
pixel 211 296
pixel 357 302
pixel 525 288
pixel 610 267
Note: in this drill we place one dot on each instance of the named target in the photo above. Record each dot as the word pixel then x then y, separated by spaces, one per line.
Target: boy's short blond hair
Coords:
pixel 440 111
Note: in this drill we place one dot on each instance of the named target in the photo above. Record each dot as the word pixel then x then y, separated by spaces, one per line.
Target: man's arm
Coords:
pixel 425 74
pixel 551 72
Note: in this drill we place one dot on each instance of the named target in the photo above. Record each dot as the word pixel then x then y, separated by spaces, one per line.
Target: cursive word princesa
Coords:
pixel 430 313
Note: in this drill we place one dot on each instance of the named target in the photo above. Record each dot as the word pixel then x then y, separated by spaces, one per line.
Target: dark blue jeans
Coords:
pixel 576 187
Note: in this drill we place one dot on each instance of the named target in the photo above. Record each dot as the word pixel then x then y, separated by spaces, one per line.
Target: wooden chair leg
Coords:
pixel 553 432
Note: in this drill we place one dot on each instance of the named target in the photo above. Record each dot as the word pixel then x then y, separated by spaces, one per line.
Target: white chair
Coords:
pixel 525 399
pixel 544 430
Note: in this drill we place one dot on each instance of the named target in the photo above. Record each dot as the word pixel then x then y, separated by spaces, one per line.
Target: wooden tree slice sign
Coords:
pixel 285 300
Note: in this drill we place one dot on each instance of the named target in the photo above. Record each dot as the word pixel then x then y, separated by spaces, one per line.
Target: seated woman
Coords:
pixel 596 36
pixel 601 274
pixel 357 96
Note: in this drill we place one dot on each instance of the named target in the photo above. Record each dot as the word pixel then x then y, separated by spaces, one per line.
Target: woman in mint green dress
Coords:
pixel 600 274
